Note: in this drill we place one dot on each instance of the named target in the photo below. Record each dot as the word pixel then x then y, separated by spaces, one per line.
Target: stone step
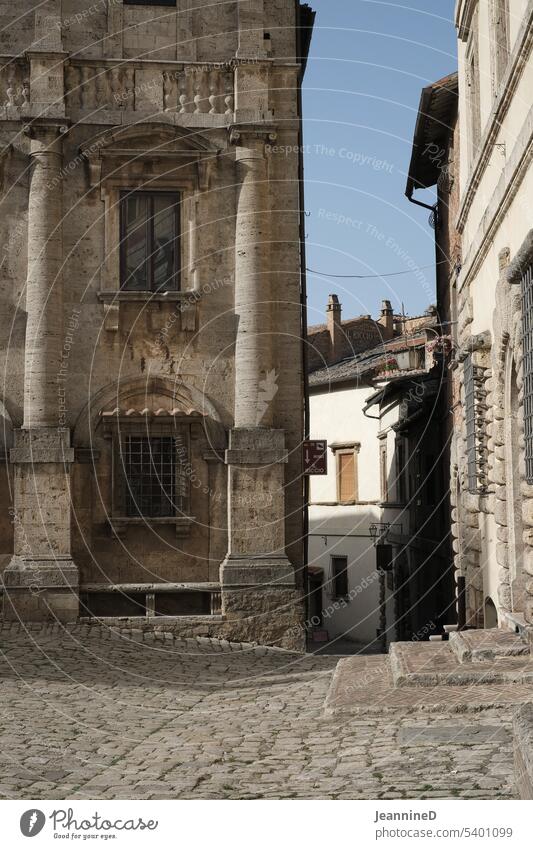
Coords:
pixel 363 685
pixel 434 664
pixel 485 645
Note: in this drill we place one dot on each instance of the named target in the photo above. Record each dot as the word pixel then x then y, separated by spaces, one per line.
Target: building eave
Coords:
pixel 436 112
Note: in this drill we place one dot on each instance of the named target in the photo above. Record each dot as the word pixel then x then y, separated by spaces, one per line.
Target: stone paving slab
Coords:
pixel 83 716
pixel 481 645
pixel 457 734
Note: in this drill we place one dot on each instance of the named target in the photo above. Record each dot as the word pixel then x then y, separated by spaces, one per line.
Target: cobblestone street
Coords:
pixel 85 716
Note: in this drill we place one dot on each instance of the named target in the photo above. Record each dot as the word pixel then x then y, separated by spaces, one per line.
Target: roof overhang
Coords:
pixel 436 113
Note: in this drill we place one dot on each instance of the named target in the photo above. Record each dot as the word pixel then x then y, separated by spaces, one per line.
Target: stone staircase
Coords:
pixel 472 670
pixel 469 657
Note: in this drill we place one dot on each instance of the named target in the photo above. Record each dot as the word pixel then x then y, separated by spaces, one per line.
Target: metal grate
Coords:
pixel 527 341
pixel 149 465
pixel 470 420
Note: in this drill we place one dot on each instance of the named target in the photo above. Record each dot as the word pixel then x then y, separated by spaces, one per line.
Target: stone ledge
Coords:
pixel 144 632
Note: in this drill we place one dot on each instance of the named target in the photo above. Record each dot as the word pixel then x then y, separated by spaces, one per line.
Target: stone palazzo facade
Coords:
pixel 152 394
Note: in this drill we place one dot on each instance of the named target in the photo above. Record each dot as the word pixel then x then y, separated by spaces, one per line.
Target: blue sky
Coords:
pixel 369 61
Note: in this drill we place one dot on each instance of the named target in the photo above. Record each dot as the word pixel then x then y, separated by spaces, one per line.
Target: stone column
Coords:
pixel 258 581
pixel 41 581
pixel 254 377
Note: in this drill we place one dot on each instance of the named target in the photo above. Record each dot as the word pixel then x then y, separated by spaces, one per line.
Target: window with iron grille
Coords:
pixel 151 471
pixel 470 421
pixel 149 465
pixel 527 342
pixel 150 241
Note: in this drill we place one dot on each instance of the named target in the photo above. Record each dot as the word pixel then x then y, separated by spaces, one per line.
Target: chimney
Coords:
pixel 334 323
pixel 386 320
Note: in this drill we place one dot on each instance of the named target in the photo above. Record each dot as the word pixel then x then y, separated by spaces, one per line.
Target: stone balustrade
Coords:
pixel 200 94
pixel 14 85
pixel 187 90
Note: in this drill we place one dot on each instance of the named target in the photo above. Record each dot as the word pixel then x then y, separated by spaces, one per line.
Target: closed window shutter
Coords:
pixel 346 477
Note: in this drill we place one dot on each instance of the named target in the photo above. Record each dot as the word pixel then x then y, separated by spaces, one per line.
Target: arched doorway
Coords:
pixel 491 614
pixel 514 494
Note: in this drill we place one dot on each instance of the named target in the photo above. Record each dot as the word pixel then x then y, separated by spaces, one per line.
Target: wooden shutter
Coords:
pixel 346 477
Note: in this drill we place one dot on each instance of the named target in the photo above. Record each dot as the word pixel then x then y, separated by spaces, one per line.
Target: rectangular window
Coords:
pixel 527 342
pixel 149 467
pixel 472 91
pixel 384 470
pixel 339 572
pixel 500 42
pixel 150 241
pixel 401 470
pixel 346 477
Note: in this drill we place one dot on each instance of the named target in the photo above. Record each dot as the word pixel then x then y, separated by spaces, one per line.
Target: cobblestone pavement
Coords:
pixel 87 715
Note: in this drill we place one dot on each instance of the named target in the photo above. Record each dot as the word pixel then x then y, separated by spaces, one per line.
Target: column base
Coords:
pixel 41 590
pixel 260 602
pixel 261 572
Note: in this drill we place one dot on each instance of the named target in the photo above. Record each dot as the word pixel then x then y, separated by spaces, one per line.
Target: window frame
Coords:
pixel 500 42
pixel 473 104
pixel 339 576
pixel 128 194
pixel 342 450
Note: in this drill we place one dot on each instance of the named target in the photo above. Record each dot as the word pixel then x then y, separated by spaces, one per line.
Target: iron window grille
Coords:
pixel 152 473
pixel 476 443
pixel 470 420
pixel 527 343
pixel 150 241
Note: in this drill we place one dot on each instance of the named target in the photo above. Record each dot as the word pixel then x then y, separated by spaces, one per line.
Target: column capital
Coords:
pixel 242 135
pixel 40 128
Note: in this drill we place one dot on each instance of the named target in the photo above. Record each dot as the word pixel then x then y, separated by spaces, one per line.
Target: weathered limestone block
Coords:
pixel 502 533
pixel 502 554
pixel 528 561
pixel 471 502
pixel 500 512
pixel 505 596
pixel 527 513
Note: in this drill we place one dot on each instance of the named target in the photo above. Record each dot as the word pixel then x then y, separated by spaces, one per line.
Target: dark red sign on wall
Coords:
pixel 316 457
